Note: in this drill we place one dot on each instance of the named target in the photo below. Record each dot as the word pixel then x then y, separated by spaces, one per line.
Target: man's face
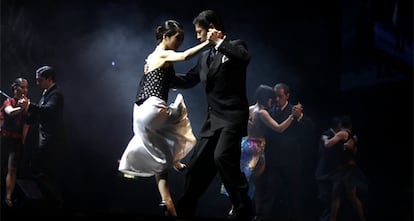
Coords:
pixel 42 82
pixel 281 97
pixel 201 32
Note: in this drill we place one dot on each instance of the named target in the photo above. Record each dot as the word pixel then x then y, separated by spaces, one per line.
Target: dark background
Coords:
pixel 338 57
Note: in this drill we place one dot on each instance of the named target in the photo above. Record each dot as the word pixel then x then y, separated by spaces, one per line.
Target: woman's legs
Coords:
pixel 163 188
pixel 335 204
pixel 337 188
pixel 10 185
pixel 352 195
pixel 11 179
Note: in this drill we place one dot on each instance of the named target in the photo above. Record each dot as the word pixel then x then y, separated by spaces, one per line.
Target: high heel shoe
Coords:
pixel 164 210
pixel 8 202
pixel 181 167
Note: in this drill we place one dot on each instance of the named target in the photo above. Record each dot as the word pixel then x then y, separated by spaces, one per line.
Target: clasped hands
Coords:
pixel 215 36
pixel 297 110
pixel 23 102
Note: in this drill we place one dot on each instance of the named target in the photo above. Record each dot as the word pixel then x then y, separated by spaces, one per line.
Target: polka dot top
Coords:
pixel 155 83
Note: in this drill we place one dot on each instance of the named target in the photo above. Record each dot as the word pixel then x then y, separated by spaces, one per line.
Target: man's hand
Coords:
pixel 23 102
pixel 297 110
pixel 215 35
pixel 146 66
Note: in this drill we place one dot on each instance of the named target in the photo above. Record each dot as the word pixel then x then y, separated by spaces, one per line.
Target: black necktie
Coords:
pixel 213 52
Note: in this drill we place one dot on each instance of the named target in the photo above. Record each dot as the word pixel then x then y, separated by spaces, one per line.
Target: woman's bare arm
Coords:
pixel 270 122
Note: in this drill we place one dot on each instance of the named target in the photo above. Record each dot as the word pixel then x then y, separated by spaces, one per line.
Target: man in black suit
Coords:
pixel 48 113
pixel 282 176
pixel 222 70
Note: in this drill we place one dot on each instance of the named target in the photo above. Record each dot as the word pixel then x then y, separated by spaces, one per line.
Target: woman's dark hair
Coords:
pixel 168 28
pixel 16 83
pixel 263 93
pixel 207 17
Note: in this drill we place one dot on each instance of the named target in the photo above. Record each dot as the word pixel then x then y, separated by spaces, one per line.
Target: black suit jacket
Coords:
pixel 49 114
pixel 225 87
pixel 285 148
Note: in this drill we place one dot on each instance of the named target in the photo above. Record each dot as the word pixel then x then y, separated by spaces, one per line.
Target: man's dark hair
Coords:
pixel 46 72
pixel 346 121
pixel 207 17
pixel 336 122
pixel 283 86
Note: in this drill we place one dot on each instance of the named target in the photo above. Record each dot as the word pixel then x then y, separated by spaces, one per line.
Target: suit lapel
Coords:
pixel 215 64
pixel 206 70
pixel 44 99
pixel 204 67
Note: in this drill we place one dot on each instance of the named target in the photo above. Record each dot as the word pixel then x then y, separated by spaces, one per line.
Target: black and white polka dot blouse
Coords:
pixel 155 83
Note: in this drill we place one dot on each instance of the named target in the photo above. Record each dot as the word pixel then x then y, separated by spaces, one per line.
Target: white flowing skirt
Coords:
pixel 160 139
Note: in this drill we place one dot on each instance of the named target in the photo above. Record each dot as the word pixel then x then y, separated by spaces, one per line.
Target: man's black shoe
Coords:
pixel 241 214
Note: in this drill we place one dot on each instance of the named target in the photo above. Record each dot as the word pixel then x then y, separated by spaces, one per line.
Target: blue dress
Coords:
pixel 252 161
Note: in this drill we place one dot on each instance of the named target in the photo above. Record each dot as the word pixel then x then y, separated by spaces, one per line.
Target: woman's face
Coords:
pixel 174 42
pixel 22 89
pixel 269 102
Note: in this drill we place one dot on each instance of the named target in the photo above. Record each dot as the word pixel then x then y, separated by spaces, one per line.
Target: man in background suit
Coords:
pixel 222 70
pixel 48 113
pixel 283 172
